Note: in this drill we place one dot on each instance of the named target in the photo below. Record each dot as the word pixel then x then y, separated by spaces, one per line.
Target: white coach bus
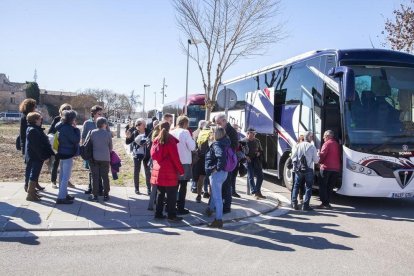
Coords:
pixel 366 96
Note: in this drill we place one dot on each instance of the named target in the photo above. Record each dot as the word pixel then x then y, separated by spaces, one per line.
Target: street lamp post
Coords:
pixel 189 42
pixel 155 99
pixel 143 99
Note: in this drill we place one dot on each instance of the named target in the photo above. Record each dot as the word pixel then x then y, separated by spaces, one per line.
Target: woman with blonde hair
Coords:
pixel 166 167
pixel 215 164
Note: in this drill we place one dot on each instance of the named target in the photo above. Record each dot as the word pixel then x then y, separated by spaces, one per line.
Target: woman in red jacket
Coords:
pixel 166 164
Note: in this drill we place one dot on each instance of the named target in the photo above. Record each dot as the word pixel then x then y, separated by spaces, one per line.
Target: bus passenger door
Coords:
pixel 306 118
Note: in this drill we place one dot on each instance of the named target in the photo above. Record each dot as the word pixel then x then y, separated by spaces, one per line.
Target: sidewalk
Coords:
pixel 125 210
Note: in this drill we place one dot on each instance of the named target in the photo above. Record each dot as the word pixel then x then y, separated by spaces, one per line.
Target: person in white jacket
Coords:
pixel 185 147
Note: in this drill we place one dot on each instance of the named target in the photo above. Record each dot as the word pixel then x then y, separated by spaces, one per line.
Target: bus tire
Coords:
pixel 287 175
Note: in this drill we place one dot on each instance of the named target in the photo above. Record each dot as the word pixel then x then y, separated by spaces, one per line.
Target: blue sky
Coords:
pixel 122 45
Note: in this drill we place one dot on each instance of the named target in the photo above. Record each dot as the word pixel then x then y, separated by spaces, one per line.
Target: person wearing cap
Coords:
pixel 308 150
pixel 254 164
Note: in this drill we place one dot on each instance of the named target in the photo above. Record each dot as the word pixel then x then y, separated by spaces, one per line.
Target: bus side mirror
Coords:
pixel 348 81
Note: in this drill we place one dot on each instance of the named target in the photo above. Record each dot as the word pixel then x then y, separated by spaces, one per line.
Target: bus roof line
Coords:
pixel 276 65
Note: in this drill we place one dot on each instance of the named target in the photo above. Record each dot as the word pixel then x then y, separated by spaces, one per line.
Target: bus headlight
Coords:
pixel 355 167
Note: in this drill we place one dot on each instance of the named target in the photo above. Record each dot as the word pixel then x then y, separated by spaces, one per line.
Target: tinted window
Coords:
pixel 241 88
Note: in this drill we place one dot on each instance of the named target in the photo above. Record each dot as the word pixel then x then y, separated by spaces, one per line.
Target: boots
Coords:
pixel 38 187
pixel 31 192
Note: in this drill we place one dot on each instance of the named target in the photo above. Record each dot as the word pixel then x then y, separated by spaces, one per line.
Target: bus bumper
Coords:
pixel 357 184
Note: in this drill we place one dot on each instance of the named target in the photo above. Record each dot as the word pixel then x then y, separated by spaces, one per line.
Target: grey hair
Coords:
pixel 329 133
pixel 68 116
pixel 101 121
pixel 220 116
pixel 219 133
pixel 308 135
pixel 201 124
pixel 140 120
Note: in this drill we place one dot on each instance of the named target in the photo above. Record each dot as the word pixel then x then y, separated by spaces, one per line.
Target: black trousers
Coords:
pixel 171 193
pixel 326 185
pixel 55 167
pixel 182 192
pixel 226 192
pixel 91 181
pixel 100 171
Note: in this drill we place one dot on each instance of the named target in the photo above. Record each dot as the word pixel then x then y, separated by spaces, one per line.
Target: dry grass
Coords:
pixel 12 163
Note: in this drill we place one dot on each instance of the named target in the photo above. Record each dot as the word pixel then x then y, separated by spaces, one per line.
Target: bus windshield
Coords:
pixel 381 118
pixel 195 113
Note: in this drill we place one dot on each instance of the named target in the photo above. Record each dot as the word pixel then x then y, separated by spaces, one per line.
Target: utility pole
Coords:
pixel 163 91
pixel 35 75
pixel 155 99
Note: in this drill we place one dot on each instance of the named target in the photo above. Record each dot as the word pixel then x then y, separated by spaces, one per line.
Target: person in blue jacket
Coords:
pixel 215 164
pixel 69 138
pixel 37 150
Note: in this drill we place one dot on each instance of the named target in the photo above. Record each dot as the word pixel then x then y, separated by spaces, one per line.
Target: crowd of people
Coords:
pixel 211 157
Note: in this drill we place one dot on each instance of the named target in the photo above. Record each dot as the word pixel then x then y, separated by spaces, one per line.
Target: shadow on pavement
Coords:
pixel 268 234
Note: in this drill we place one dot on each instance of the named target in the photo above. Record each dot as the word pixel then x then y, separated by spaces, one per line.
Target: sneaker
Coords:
pixel 324 206
pixel 137 192
pixel 93 198
pixel 259 194
pixel 183 211
pixel 88 192
pixel 106 197
pixel 295 206
pixel 216 224
pixel 257 197
pixel 54 186
pixel 236 195
pixel 206 195
pixel 307 208
pixel 70 185
pixel 64 201
pixel 198 199
pixel 160 216
pixel 175 219
pixel 69 197
pixel 194 191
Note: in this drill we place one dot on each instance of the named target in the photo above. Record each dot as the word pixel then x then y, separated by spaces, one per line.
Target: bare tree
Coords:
pixel 399 31
pixel 223 31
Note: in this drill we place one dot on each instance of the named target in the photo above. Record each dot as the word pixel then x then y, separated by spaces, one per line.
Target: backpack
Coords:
pixel 303 164
pixel 86 149
pixel 55 144
pixel 231 160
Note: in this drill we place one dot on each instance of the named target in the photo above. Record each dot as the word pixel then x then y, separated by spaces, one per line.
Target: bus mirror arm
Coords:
pixel 348 81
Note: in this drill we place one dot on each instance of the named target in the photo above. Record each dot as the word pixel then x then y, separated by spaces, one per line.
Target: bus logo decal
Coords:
pixel 404 177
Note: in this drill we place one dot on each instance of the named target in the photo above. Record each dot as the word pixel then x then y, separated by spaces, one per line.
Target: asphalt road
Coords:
pixel 360 236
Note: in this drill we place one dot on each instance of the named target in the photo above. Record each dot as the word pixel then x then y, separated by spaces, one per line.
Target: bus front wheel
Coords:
pixel 287 175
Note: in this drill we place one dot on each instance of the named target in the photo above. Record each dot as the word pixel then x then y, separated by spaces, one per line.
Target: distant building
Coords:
pixel 11 94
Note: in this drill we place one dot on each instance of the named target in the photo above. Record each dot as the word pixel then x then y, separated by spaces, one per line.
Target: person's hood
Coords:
pixel 160 151
pixel 203 136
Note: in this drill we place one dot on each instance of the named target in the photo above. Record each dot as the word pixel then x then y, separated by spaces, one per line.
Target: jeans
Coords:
pixel 33 169
pixel 254 169
pixel 308 177
pixel 171 200
pixel 100 170
pixel 326 185
pixel 217 179
pixel 64 176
